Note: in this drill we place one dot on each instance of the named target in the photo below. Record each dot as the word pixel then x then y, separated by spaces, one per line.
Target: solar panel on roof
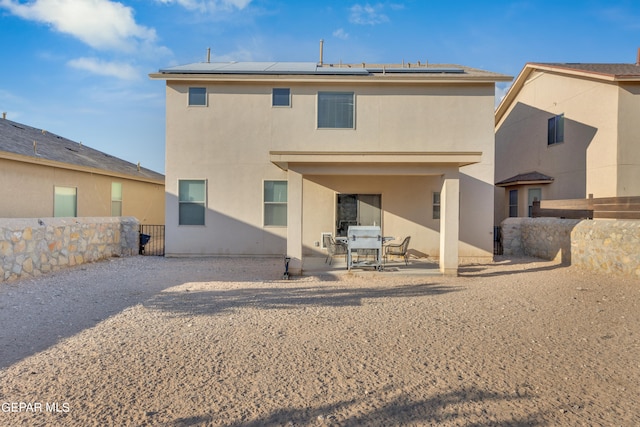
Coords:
pixel 418 70
pixel 310 68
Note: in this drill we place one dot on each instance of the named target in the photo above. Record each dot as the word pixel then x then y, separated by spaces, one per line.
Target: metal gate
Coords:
pixel 151 240
pixel 497 240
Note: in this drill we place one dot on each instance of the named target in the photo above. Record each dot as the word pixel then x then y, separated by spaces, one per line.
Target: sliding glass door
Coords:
pixel 357 209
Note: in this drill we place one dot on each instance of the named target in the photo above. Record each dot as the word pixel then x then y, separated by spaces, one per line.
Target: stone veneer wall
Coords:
pixel 607 246
pixel 32 247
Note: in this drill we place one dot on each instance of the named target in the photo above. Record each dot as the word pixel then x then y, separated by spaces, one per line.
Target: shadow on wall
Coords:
pixel 521 147
pixel 473 196
pixel 222 235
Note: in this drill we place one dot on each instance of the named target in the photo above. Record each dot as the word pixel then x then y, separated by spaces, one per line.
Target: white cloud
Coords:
pixel 102 24
pixel 341 34
pixel 208 5
pixel 367 14
pixel 104 68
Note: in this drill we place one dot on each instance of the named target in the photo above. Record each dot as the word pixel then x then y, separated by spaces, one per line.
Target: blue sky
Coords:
pixel 79 68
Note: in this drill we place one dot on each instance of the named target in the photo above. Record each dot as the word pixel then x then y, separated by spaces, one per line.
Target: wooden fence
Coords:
pixel 605 208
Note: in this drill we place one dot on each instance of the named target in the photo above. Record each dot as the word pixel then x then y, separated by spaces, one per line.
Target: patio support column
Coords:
pixel 294 221
pixel 449 224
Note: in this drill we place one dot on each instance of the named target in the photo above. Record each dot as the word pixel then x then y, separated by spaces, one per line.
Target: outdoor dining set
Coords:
pixel 365 246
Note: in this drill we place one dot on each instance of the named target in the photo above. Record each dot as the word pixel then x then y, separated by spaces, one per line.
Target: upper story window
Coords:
pixel 335 110
pixel 555 132
pixel 281 97
pixel 198 96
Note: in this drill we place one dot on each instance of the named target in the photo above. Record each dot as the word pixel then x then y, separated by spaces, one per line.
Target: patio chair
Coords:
pixel 398 249
pixel 333 248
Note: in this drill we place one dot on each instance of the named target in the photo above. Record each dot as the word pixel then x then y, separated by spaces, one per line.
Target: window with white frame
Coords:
pixel 197 96
pixel 275 203
pixel 555 130
pixel 281 97
pixel 116 199
pixel 191 201
pixel 65 201
pixel 336 110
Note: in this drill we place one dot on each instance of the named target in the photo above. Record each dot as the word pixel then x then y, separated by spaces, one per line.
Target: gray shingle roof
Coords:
pixel 25 140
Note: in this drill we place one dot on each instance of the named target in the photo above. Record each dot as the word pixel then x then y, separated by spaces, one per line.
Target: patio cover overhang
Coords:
pixel 374 163
pixel 446 164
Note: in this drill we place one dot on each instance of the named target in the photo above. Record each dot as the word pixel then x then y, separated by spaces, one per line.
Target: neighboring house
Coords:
pixel 265 158
pixel 46 175
pixel 567 131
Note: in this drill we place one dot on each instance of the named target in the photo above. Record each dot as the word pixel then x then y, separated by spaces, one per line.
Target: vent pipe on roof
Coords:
pixel 638 57
pixel 321 53
pixel 4 115
pixel 208 55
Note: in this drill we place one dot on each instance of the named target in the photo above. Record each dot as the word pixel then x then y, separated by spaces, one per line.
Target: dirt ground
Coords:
pixel 148 341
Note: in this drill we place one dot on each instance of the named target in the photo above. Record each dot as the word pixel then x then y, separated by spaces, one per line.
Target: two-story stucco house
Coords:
pixel 46 175
pixel 567 131
pixel 263 158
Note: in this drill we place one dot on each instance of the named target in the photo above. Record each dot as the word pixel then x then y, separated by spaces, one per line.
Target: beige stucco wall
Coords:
pixel 628 140
pixel 27 191
pixel 228 142
pixel 586 162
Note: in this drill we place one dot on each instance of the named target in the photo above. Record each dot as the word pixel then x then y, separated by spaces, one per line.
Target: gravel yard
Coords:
pixel 149 341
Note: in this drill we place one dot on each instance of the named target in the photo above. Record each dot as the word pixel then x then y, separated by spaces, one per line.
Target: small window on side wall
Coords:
pixel 275 203
pixel 281 97
pixel 513 203
pixel 197 96
pixel 116 199
pixel 191 201
pixel 436 205
pixel 555 130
